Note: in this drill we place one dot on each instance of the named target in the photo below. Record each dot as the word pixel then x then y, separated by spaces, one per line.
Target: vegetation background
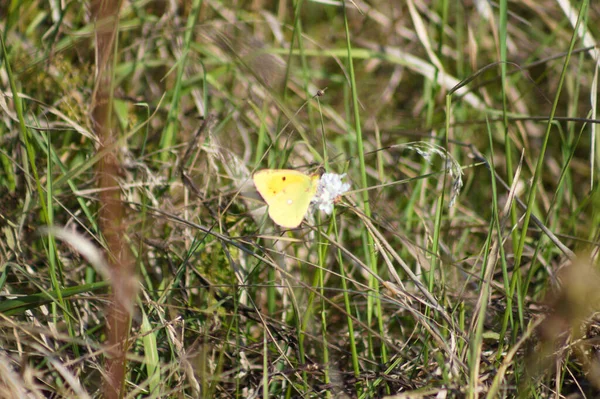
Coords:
pixel 136 259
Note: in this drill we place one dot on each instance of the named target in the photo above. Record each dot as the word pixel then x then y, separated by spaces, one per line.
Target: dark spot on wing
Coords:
pixel 283 178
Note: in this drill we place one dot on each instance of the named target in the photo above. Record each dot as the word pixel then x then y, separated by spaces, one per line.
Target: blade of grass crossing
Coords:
pixel 56 273
pixel 50 246
pixel 555 205
pixel 296 32
pixel 306 74
pixel 20 305
pixel 540 164
pixel 367 239
pixel 151 358
pixel 55 159
pixel 494 241
pixel 322 249
pixel 167 140
pixel 502 34
pixel 348 308
pixel 504 263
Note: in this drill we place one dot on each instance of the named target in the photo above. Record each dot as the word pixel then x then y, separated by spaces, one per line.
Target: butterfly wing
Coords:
pixel 288 194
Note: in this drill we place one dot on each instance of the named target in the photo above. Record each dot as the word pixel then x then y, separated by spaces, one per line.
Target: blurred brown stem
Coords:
pixel 112 212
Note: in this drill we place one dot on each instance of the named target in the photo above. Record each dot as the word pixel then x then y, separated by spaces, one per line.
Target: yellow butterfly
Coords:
pixel 288 194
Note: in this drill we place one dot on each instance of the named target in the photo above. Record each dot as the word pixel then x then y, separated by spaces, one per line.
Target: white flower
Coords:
pixel 330 188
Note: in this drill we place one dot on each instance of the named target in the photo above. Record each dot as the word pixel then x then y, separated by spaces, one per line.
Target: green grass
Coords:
pixel 136 257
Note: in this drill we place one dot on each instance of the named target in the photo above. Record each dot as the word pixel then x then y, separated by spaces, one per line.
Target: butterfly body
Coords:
pixel 288 194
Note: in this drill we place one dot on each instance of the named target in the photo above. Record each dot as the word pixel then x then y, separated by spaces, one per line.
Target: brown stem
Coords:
pixel 112 212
